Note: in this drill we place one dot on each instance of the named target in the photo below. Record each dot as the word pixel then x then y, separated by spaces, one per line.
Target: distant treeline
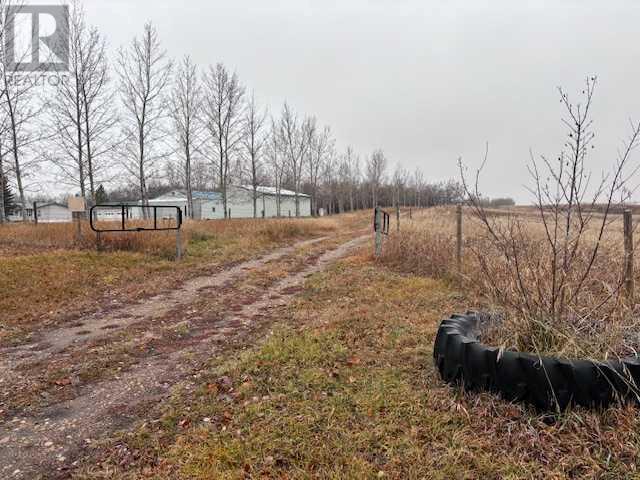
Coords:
pixel 202 130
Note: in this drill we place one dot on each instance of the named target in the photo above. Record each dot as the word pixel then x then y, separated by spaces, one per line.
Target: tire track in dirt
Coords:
pixel 100 324
pixel 50 443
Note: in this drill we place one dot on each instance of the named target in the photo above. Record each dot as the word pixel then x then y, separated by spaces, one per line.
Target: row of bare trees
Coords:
pixel 151 121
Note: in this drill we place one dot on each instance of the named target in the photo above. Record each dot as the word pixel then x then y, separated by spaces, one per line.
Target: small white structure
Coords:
pixel 205 204
pixel 209 205
pixel 52 212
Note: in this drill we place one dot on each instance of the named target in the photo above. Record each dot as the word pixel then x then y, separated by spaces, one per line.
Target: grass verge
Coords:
pixel 348 390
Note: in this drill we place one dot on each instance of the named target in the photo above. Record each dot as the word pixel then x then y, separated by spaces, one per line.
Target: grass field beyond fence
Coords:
pixel 598 323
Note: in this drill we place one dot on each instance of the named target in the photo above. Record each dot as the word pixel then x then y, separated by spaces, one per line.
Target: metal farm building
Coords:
pixel 209 205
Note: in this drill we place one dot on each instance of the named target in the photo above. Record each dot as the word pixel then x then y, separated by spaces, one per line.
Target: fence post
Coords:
pixel 178 245
pixel 398 216
pixel 410 217
pixel 378 231
pixel 459 238
pixel 76 220
pixel 35 213
pixel 628 254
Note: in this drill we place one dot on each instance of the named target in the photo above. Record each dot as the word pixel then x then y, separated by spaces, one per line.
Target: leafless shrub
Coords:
pixel 563 278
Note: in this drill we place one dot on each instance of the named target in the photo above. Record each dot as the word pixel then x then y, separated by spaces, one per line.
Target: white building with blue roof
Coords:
pixel 209 205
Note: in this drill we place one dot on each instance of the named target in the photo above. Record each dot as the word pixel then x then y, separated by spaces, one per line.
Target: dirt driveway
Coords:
pixel 78 384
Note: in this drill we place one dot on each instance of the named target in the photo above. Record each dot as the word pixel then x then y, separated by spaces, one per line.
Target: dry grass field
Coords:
pixel 600 322
pixel 344 387
pixel 337 381
pixel 46 275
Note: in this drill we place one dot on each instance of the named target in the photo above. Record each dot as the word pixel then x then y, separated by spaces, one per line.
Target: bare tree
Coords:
pixel 418 185
pixel 97 99
pixel 330 177
pixel 223 100
pixel 254 141
pixel 296 137
pixel 321 147
pixel 353 175
pixel 66 109
pixel 397 184
pixel 400 180
pixel 3 180
pixel 344 186
pixel 185 112
pixel 376 168
pixel 80 114
pixel 18 104
pixel 145 73
pixel 276 160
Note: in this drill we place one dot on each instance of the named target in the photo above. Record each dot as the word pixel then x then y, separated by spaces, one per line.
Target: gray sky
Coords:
pixel 427 81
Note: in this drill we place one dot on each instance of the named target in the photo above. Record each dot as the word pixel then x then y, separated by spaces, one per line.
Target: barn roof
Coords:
pixel 181 196
pixel 207 195
pixel 273 191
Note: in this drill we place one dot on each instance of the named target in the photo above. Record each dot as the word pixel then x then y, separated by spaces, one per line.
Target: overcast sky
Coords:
pixel 427 81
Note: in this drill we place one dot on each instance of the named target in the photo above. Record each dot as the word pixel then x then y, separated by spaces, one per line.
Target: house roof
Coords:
pixel 18 204
pixel 273 191
pixel 50 204
pixel 172 195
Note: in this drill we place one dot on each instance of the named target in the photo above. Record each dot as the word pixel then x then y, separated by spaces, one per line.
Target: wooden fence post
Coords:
pixel 398 216
pixel 459 238
pixel 178 245
pixel 77 222
pixel 35 213
pixel 628 254
pixel 378 231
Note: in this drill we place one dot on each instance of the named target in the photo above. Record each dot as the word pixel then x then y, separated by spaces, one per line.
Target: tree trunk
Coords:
pixel 225 199
pixel 3 213
pixel 87 133
pixel 255 201
pixel 278 187
pixel 89 161
pixel 78 125
pixel 223 190
pixel 188 179
pixel 16 158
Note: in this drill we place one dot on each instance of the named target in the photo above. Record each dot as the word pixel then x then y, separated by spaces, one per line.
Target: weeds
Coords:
pixel 598 324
